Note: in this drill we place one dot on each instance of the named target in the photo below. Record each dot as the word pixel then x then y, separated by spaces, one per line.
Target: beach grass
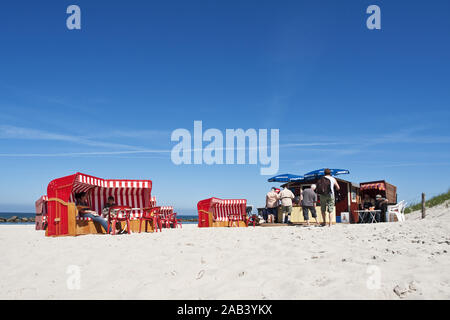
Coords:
pixel 439 199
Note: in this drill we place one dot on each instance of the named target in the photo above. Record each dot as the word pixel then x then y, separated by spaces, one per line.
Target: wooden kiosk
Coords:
pixel 348 202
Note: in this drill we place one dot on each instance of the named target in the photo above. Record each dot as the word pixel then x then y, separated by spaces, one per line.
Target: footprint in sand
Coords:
pixel 200 274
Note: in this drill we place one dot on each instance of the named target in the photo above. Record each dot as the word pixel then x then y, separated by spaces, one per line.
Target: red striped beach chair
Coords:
pixel 222 212
pixel 175 221
pixel 169 218
pixel 63 216
pixel 41 213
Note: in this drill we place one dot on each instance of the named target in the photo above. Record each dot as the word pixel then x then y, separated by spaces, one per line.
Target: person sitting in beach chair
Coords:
pixel 105 213
pixel 109 203
pixel 84 210
pixel 367 204
pixel 380 204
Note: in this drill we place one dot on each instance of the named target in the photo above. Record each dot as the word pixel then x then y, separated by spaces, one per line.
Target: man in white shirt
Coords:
pixel 327 200
pixel 272 201
pixel 286 197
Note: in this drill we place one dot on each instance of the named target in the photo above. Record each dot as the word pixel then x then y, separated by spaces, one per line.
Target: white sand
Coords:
pixel 234 263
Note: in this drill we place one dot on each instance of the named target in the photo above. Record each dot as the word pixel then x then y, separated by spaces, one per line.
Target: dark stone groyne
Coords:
pixel 17 219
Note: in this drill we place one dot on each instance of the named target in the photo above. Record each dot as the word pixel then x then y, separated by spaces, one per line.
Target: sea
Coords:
pixel 8 215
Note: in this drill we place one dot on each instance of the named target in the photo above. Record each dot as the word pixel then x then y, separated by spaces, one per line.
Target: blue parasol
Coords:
pixel 287 177
pixel 321 172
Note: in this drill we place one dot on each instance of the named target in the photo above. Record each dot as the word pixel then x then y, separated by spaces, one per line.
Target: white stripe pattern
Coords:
pixel 224 208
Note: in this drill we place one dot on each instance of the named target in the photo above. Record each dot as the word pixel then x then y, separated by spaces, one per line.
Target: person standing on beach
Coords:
pixel 286 197
pixel 325 189
pixel 309 203
pixel 272 200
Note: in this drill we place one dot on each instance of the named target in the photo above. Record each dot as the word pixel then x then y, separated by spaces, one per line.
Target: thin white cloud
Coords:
pixel 137 134
pixel 77 154
pixel 12 132
pixel 351 146
pixel 106 153
pixel 48 136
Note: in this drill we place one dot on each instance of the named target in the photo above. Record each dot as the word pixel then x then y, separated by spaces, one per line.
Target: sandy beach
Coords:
pixel 407 260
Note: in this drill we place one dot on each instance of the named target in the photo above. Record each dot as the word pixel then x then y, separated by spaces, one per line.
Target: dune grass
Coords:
pixel 441 198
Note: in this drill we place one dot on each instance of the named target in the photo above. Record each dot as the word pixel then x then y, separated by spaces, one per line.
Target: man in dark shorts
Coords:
pixel 309 203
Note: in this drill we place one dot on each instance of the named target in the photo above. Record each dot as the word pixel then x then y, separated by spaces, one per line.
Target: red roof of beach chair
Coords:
pixel 222 208
pixel 132 193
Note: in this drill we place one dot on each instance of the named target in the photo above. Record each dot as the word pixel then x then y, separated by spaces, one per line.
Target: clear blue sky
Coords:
pixel 374 102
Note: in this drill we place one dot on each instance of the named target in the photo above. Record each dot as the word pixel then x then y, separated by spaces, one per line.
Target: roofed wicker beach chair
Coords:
pixel 215 212
pixel 63 218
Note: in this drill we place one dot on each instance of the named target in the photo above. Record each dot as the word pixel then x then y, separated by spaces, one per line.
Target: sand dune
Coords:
pixel 379 261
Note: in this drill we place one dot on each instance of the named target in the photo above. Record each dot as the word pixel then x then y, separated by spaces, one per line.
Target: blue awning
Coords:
pixel 321 172
pixel 287 177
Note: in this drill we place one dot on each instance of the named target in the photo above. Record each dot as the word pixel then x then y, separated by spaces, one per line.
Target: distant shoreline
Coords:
pixel 28 218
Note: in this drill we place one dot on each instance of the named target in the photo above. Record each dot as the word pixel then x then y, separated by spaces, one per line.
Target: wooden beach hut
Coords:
pixel 348 202
pixel 63 219
pixel 215 212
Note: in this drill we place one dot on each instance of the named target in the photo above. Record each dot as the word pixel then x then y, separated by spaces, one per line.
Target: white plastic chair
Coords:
pixel 398 210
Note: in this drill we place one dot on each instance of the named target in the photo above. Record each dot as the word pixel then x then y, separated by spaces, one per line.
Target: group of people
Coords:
pixel 81 201
pixel 273 199
pixel 326 189
pixel 380 204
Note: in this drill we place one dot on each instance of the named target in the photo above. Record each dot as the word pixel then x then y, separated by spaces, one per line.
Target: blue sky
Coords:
pixel 375 102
